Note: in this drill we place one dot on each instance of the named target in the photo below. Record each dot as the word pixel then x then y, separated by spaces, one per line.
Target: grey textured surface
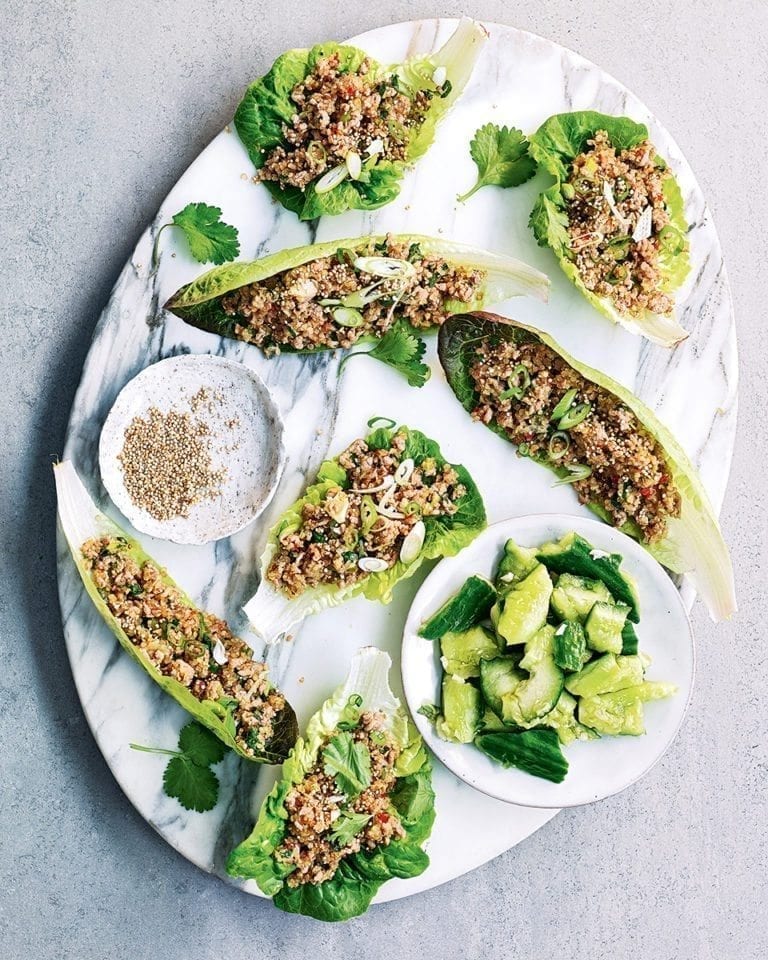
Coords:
pixel 105 105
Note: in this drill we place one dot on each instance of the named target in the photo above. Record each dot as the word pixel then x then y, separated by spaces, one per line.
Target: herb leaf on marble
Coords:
pixel 210 239
pixel 502 158
pixel 401 349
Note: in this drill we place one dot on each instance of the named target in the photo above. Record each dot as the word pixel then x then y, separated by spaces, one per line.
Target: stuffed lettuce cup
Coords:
pixel 614 218
pixel 353 807
pixel 596 436
pixel 335 294
pixel 191 654
pixel 373 515
pixel 329 129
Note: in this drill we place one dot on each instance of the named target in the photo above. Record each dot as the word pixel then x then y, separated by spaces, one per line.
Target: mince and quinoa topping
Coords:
pixel 339 112
pixel 362 528
pixel 334 301
pixel 182 642
pixel 619 225
pixel 558 417
pixel 330 819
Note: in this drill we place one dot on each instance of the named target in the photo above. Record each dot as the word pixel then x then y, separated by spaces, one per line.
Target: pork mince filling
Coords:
pixel 339 112
pixel 347 528
pixel 597 434
pixel 607 194
pixel 330 818
pixel 330 302
pixel 180 640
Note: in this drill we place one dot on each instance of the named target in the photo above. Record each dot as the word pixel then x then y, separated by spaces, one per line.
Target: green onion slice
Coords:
pixel 576 471
pixel 332 178
pixel 562 408
pixel 347 317
pixel 523 449
pixel 368 514
pixel 519 381
pixel 559 443
pixel 387 267
pixel 574 416
pixel 382 422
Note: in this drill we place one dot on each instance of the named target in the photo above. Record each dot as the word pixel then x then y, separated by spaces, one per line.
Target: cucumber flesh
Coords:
pixel 605 675
pixel 536 696
pixel 574 597
pixel 462 652
pixel 570 646
pixel 562 718
pixel 490 722
pixel 463 610
pixel 462 709
pixel 525 607
pixel 629 640
pixel 606 715
pixel 604 625
pixel 535 751
pixel 515 565
pixel 497 678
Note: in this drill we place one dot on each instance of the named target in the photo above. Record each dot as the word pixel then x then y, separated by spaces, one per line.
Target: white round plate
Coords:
pixel 596 768
pixel 519 80
pixel 246 442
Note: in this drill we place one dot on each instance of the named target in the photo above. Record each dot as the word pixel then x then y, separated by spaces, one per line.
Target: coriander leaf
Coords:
pixel 347 826
pixel 430 711
pixel 502 158
pixel 210 240
pixel 195 787
pixel 200 746
pixel 401 349
pixel 349 762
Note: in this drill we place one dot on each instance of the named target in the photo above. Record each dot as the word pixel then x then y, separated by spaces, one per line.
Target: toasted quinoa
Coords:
pixel 630 478
pixel 315 804
pixel 179 640
pixel 288 309
pixel 335 534
pixel 610 263
pixel 340 112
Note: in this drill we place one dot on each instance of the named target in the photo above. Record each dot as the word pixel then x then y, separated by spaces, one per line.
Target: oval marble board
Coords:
pixel 519 80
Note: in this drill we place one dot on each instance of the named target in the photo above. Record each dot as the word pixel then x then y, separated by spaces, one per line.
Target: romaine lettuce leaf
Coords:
pixel 554 146
pixel 267 105
pixel 200 302
pixel 359 876
pixel 694 544
pixel 272 613
pixel 81 520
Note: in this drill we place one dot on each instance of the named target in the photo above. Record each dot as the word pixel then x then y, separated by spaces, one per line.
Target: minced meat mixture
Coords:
pixel 321 818
pixel 629 476
pixel 179 640
pixel 346 529
pixel 291 309
pixel 607 193
pixel 340 112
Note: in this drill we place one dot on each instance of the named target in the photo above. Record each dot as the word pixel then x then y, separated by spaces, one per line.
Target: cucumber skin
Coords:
pixel 570 647
pixel 463 610
pixel 629 640
pixel 535 751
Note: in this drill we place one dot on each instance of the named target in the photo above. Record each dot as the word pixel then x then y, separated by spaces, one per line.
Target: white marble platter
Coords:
pixel 519 80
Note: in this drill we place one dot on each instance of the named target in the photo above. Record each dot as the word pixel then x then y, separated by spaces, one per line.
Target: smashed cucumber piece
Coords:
pixel 525 607
pixel 621 712
pixel 463 652
pixel 629 639
pixel 463 610
pixel 536 696
pixel 515 565
pixel 604 626
pixel 490 722
pixel 570 646
pixel 499 677
pixel 535 751
pixel 574 597
pixel 462 709
pixel 607 674
pixel 562 718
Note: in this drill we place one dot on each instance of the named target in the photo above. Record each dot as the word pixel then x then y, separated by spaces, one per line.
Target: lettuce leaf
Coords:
pixel 267 106
pixel 200 303
pixel 694 544
pixel 272 613
pixel 554 146
pixel 351 889
pixel 81 520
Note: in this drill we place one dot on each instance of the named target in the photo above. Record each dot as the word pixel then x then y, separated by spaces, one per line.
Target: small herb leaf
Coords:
pixel 401 349
pixel 501 156
pixel 347 827
pixel 349 762
pixel 195 787
pixel 210 239
pixel 201 746
pixel 430 711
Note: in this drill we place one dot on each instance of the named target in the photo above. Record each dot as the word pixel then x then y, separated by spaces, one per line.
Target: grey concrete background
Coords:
pixel 104 105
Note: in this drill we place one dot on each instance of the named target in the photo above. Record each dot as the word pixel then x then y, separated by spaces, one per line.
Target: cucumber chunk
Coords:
pixel 575 555
pixel 604 625
pixel 490 722
pixel 536 696
pixel 462 652
pixel 605 675
pixel 463 610
pixel 497 678
pixel 570 646
pixel 629 641
pixel 574 597
pixel 535 751
pixel 515 565
pixel 524 608
pixel 562 718
pixel 605 715
pixel 462 709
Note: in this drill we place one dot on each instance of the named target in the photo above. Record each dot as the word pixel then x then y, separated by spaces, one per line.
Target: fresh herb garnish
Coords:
pixel 188 777
pixel 430 711
pixel 347 826
pixel 210 239
pixel 349 762
pixel 401 349
pixel 501 156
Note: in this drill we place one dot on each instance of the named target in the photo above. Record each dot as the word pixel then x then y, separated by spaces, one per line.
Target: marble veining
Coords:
pixel 520 79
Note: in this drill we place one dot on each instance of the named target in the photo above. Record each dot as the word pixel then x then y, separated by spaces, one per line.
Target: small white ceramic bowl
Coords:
pixel 246 438
pixel 597 768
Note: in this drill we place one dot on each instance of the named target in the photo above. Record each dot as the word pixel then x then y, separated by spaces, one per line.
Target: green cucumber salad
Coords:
pixel 546 654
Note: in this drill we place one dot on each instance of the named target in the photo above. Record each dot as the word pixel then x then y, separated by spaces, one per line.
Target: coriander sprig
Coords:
pixel 401 349
pixel 210 239
pixel 502 158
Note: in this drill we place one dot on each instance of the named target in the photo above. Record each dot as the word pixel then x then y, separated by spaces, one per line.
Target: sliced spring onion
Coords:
pixel 385 422
pixel 609 199
pixel 413 542
pixel 574 416
pixel 372 564
pixel 389 512
pixel 523 449
pixel 519 381
pixel 576 471
pixel 644 226
pixel 404 471
pixel 330 302
pixel 565 402
pixel 354 164
pixel 332 178
pixel 387 267
pixel 316 151
pixel 368 515
pixel 347 317
pixel 409 509
pixel 359 298
pixel 559 443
